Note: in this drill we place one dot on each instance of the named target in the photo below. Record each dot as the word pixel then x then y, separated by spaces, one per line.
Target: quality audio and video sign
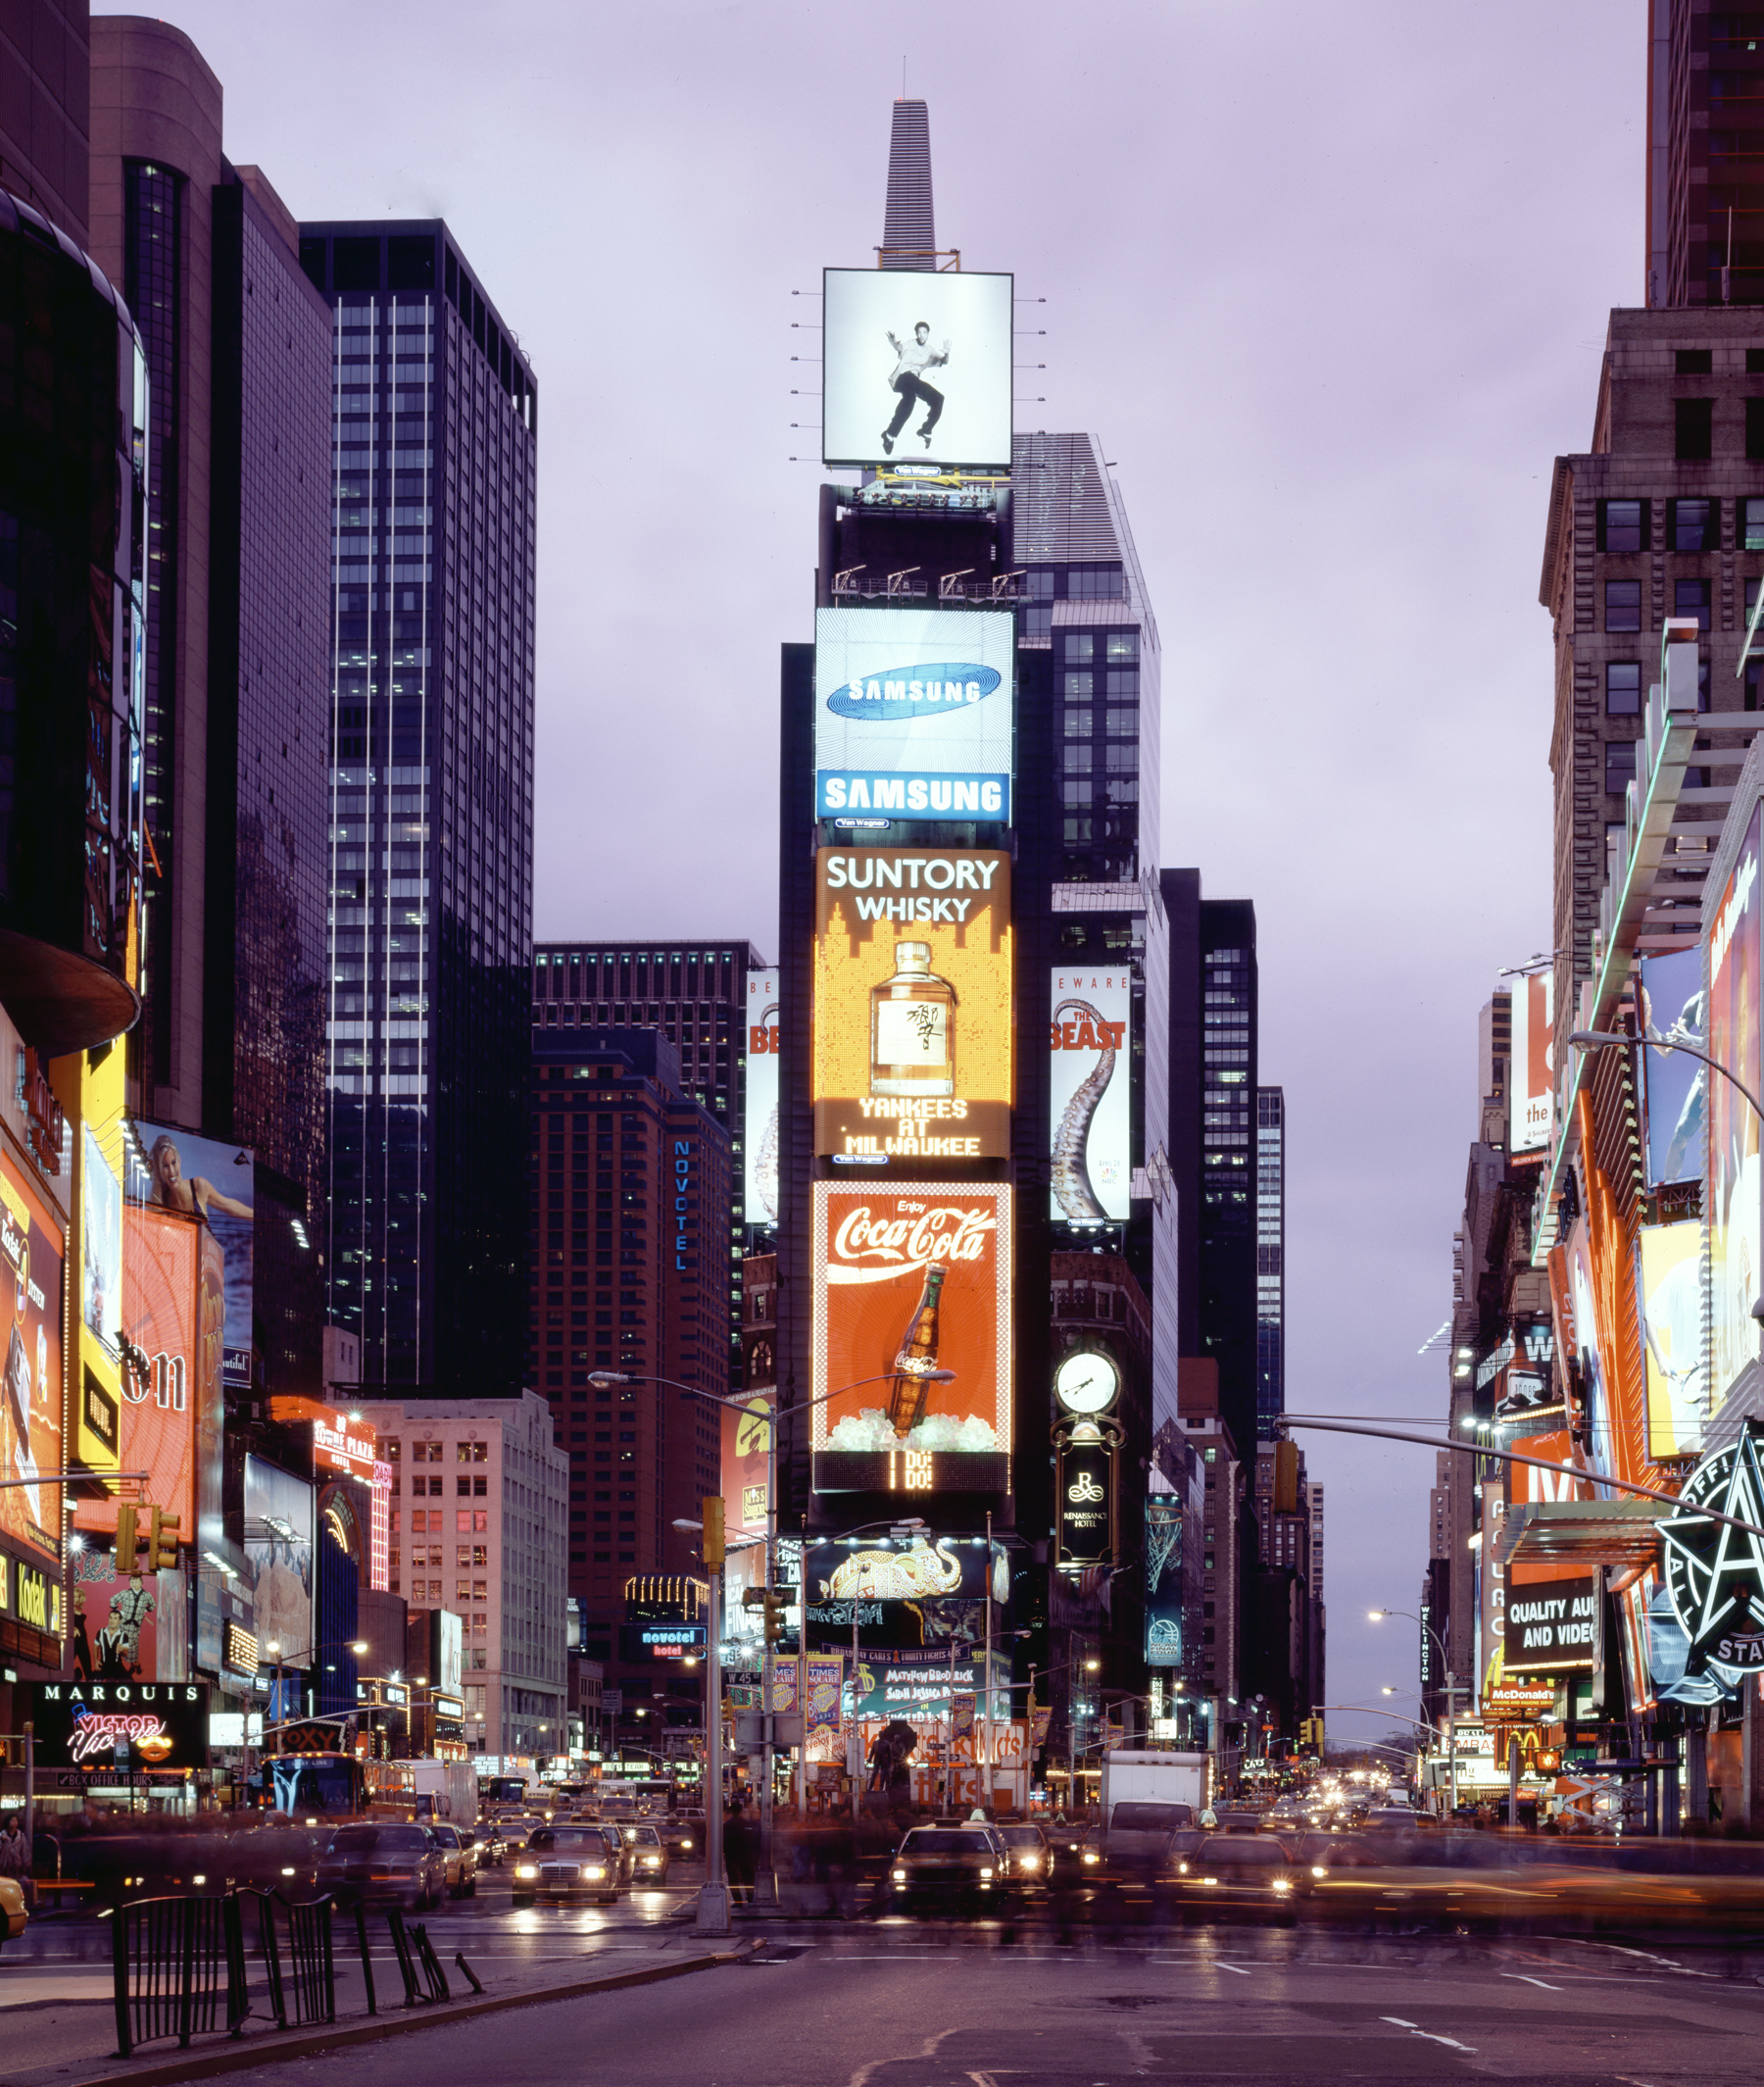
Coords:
pixel 913 713
pixel 1552 1625
pixel 1092 1173
pixel 911 1280
pixel 912 1003
pixel 122 1725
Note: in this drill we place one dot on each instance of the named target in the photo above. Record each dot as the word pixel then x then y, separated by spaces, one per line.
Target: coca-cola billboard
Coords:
pixel 911 1281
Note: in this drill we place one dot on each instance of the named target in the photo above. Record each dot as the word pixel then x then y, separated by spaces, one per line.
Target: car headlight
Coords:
pixel 651 1861
pixel 1283 1883
pixel 900 1877
pixel 1091 1855
pixel 1030 1861
pixel 1317 1870
pixel 526 1869
pixel 1182 1869
pixel 986 1869
pixel 684 1844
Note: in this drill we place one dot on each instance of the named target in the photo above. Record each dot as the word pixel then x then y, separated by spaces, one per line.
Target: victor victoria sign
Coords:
pixel 121 1725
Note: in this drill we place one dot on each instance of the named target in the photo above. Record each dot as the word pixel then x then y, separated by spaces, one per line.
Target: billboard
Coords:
pixel 917 367
pixel 212 1182
pixel 1088 1082
pixel 95 1251
pixel 914 712
pixel 1164 1579
pixel 908 1277
pixel 114 1625
pixel 1669 1285
pixel 1552 1625
pixel 30 1409
pixel 1084 1484
pixel 746 1451
pixel 278 1555
pixel 912 1054
pixel 162 1384
pixel 759 1109
pixel 105 1726
pixel 1531 1082
pixel 1673 1083
pixel 916 1569
pixel 1731 1201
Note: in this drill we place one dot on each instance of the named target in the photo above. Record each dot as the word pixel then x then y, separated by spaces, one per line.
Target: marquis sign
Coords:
pixel 1715 1572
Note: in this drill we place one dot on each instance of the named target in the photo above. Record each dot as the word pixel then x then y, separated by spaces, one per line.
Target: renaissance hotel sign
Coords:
pixel 913 714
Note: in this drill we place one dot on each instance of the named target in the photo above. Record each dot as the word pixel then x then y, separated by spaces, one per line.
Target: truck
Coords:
pixel 1146 1797
pixel 447 1790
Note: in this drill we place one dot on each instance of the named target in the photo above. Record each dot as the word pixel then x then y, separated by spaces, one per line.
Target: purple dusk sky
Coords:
pixel 1331 284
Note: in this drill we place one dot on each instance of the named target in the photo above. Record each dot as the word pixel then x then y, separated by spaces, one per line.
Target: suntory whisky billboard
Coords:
pixel 912 1279
pixel 912 1003
pixel 914 710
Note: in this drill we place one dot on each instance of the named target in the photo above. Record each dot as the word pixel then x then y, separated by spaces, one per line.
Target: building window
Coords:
pixel 1622 525
pixel 1620 766
pixel 1622 605
pixel 1691 597
pixel 1694 362
pixel 1693 431
pixel 1123 645
pixel 1623 688
pixel 1754 429
pixel 1751 521
pixel 1077 725
pixel 1080 649
pixel 1693 525
pixel 1078 687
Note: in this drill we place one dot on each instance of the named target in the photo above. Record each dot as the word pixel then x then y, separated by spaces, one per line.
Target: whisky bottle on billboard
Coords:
pixel 912 1028
pixel 917 1358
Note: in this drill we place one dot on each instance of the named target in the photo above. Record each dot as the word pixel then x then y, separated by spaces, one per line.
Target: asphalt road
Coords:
pixel 899 2006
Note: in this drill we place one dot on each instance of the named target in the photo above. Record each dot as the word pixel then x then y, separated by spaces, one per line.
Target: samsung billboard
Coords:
pixel 913 714
pixel 917 368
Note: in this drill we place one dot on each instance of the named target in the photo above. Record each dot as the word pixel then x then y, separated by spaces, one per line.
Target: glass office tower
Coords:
pixel 431 846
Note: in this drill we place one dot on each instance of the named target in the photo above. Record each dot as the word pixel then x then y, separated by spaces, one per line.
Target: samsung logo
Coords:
pixel 936 796
pixel 914 692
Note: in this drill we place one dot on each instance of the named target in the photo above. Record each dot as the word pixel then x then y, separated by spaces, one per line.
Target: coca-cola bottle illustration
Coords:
pixel 917 1358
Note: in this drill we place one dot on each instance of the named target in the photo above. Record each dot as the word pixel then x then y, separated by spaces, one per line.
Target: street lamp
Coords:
pixel 602 1380
pixel 1377 1616
pixel 1609 1039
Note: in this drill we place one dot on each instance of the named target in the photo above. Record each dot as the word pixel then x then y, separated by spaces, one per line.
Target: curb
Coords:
pixel 247 2057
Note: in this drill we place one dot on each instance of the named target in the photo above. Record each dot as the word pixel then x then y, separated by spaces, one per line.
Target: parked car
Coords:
pixel 948 1862
pixel 1254 1869
pixel 384 1864
pixel 648 1852
pixel 460 1865
pixel 571 1862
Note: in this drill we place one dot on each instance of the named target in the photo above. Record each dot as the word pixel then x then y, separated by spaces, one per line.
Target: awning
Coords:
pixel 1582 1533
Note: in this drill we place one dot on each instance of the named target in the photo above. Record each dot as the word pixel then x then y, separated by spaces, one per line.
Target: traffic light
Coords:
pixel 715 1548
pixel 773 1602
pixel 126 1541
pixel 161 1539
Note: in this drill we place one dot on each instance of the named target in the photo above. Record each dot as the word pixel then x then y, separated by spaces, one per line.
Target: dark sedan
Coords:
pixel 947 1862
pixel 383 1864
pixel 571 1862
pixel 1243 1868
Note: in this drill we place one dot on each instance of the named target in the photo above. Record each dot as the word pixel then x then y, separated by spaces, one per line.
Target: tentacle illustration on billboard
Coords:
pixel 1071 1179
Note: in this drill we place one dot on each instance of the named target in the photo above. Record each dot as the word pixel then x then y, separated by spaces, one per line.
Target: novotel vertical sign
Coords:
pixel 682 1199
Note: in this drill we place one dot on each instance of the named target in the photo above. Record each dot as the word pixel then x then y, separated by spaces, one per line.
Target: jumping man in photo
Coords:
pixel 912 361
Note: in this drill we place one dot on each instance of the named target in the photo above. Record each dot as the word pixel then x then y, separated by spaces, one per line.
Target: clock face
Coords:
pixel 1085 1383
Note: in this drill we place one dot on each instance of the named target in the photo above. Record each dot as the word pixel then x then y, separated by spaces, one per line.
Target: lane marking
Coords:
pixel 1223 1965
pixel 1415 2029
pixel 1524 1981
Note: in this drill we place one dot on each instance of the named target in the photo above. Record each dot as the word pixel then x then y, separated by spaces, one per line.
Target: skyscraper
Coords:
pixel 45 117
pixel 1705 179
pixel 236 654
pixel 1270 1260
pixel 695 993
pixel 909 233
pixel 436 421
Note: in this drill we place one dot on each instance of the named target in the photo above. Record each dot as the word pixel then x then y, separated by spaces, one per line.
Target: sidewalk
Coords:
pixel 57 2022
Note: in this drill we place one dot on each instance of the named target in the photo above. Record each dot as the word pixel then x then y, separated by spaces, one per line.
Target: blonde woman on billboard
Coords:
pixel 196 1196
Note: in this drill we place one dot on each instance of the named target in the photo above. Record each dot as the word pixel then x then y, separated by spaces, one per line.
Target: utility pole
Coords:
pixel 713 1894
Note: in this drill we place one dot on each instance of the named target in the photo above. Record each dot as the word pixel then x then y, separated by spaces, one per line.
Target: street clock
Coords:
pixel 1086 1383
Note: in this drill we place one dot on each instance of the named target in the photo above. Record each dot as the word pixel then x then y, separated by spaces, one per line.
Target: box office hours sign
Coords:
pixel 122 1725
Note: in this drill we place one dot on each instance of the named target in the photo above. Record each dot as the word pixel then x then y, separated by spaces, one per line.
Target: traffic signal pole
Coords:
pixel 713 1893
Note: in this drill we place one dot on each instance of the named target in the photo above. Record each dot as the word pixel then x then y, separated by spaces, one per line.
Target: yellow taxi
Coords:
pixel 13 1915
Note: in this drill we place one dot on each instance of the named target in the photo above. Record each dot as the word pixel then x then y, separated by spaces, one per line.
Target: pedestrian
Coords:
pixel 741 1851
pixel 15 1855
